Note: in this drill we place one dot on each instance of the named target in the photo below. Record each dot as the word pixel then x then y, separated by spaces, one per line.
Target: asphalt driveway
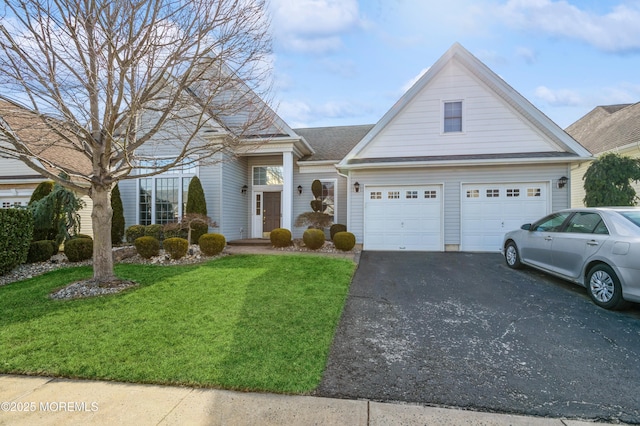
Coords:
pixel 463 330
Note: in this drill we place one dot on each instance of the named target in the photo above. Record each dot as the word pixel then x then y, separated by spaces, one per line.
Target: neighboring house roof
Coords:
pixel 332 143
pixel 30 129
pixel 607 127
pixel 557 140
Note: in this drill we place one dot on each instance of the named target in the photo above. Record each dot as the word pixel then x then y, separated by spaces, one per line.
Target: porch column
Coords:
pixel 287 190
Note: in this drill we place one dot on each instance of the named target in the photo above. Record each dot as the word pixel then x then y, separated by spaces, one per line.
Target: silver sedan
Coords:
pixel 598 248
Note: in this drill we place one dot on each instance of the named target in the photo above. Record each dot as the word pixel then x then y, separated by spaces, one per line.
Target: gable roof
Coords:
pixel 332 143
pixel 607 127
pixel 529 113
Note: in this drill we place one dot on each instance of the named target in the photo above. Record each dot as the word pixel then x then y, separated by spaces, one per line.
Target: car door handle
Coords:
pixel 548 238
pixel 592 243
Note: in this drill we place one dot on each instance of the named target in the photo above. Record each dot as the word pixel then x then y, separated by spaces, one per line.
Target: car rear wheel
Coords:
pixel 511 256
pixel 604 287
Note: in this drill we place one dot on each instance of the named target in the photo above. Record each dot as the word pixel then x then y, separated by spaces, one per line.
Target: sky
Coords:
pixel 346 62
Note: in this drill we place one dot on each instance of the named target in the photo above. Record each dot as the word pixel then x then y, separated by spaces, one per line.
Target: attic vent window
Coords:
pixel 452 117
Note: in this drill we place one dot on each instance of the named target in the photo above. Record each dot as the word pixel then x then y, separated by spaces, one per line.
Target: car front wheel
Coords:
pixel 604 287
pixel 511 256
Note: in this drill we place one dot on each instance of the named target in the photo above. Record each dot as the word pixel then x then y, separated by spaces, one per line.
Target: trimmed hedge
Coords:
pixel 16 230
pixel 212 244
pixel 78 249
pixel 155 231
pixel 280 237
pixel 197 231
pixel 335 228
pixel 134 232
pixel 147 246
pixel 39 251
pixel 313 238
pixel 176 247
pixel 344 241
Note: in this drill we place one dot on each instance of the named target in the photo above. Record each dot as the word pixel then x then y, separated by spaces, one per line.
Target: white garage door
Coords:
pixel 403 218
pixel 491 210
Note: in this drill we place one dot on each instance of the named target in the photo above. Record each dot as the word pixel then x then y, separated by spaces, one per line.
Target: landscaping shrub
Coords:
pixel 117 218
pixel 134 232
pixel 280 237
pixel 73 237
pixel 175 232
pixel 16 230
pixel 335 228
pixel 50 230
pixel 344 241
pixel 55 247
pixel 147 246
pixel 39 251
pixel 196 203
pixel 313 238
pixel 212 244
pixel 176 247
pixel 155 231
pixel 78 249
pixel 198 230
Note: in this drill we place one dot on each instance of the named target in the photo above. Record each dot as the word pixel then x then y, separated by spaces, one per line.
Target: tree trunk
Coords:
pixel 101 221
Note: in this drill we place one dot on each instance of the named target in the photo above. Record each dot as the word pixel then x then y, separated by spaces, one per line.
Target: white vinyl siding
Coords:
pixel 233 220
pixel 491 126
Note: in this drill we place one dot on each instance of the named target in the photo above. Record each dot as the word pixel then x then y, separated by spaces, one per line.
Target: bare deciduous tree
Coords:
pixel 100 79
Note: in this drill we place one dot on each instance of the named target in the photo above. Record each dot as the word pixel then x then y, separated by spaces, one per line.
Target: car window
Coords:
pixel 551 223
pixel 633 216
pixel 586 223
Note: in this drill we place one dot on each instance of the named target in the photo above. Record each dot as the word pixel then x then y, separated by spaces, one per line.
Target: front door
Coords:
pixel 270 213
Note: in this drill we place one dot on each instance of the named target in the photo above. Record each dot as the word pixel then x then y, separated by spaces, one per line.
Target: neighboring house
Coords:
pixel 607 128
pixel 17 181
pixel 459 160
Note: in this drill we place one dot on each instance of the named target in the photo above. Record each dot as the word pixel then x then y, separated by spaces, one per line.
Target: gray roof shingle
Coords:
pixel 607 127
pixel 332 143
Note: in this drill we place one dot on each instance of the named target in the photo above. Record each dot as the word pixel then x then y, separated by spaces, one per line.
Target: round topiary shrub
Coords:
pixel 134 232
pixel 78 249
pixel 197 231
pixel 344 241
pixel 335 228
pixel 313 238
pixel 176 247
pixel 55 247
pixel 280 237
pixel 212 244
pixel 147 246
pixel 73 237
pixel 155 231
pixel 39 251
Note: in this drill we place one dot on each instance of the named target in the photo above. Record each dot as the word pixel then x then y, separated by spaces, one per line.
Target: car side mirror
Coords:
pixel 526 227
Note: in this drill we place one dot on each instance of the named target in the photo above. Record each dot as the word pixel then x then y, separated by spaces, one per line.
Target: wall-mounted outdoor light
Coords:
pixel 244 189
pixel 356 187
pixel 562 182
pixel 299 189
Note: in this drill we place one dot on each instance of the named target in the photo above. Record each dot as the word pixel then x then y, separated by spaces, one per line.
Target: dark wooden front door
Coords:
pixel 271 212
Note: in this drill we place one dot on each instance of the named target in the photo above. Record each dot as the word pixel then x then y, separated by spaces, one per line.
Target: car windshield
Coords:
pixel 632 215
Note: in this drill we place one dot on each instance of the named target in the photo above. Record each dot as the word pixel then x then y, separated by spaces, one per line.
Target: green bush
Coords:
pixel 197 230
pixel 313 238
pixel 212 244
pixel 147 246
pixel 344 241
pixel 335 228
pixel 73 237
pixel 117 217
pixel 280 237
pixel 196 202
pixel 175 232
pixel 155 231
pixel 78 249
pixel 134 232
pixel 16 230
pixel 176 247
pixel 55 247
pixel 39 251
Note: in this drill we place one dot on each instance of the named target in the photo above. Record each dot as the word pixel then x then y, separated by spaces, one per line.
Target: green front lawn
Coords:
pixel 260 323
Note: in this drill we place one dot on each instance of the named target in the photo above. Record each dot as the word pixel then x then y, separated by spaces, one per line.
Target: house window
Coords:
pixel 533 192
pixel 411 194
pixel 393 195
pixel 163 198
pixel 430 194
pixel 473 193
pixel 6 205
pixel 452 117
pixel 493 193
pixel 328 197
pixel 268 175
pixel 515 192
pixel 376 195
pixel 258 206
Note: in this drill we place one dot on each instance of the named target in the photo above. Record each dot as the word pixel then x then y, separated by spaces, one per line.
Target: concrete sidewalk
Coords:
pixel 26 400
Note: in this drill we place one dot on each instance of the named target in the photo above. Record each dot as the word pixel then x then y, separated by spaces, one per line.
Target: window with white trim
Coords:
pixel 393 195
pixel 268 175
pixel 430 194
pixel 452 117
pixel 533 192
pixel 513 192
pixel 328 197
pixel 473 193
pixel 375 195
pixel 493 193
pixel 411 195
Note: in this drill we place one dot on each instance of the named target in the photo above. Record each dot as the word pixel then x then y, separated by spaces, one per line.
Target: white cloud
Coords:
pixel 314 25
pixel 561 97
pixel 615 31
pixel 530 56
pixel 409 84
pixel 299 113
